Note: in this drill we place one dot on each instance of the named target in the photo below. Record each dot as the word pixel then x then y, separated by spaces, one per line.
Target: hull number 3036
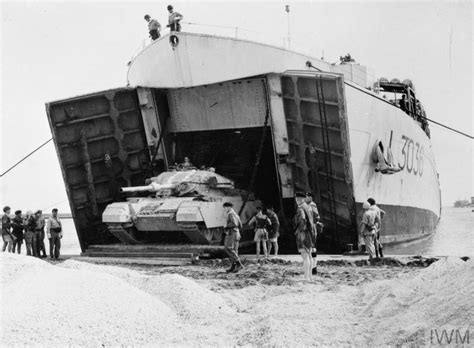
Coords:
pixel 412 156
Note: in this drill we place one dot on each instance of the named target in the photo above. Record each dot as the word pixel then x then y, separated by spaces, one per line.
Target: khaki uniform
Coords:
pixel 232 231
pixel 304 228
pixel 368 230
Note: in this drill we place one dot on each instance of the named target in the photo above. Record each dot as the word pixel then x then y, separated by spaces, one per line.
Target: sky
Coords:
pixel 56 50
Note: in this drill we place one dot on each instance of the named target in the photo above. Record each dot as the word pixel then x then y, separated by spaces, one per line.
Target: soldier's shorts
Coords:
pixel 260 235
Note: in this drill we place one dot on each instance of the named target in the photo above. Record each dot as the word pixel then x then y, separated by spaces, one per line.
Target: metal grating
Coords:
pixel 101 146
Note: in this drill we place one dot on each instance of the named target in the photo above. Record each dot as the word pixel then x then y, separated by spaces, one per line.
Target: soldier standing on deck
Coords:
pixel 232 237
pixel 154 27
pixel 173 19
pixel 316 218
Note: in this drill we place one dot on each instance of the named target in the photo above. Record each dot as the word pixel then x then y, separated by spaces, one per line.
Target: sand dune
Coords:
pixel 76 303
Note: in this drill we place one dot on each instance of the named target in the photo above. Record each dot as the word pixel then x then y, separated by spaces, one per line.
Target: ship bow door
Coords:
pixel 103 141
pixel 319 152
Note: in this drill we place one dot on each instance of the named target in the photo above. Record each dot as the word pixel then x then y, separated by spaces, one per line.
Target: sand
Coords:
pixel 82 304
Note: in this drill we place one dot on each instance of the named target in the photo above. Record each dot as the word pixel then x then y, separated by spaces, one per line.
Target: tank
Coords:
pixel 180 205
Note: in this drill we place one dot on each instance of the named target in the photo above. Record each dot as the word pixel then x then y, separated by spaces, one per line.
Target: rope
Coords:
pixel 55 204
pixel 24 158
pixel 257 161
pixel 447 127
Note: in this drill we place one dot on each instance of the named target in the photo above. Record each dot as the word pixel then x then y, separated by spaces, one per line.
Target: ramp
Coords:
pixel 103 141
pixel 319 151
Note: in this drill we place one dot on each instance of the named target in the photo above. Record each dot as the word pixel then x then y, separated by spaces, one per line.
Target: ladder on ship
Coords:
pixel 319 151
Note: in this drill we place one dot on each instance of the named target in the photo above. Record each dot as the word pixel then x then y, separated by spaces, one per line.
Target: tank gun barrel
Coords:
pixel 152 187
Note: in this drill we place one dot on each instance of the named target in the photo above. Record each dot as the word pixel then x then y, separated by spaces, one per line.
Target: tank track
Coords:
pixel 123 234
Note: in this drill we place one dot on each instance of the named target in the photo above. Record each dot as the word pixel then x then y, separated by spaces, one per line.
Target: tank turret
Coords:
pixel 175 205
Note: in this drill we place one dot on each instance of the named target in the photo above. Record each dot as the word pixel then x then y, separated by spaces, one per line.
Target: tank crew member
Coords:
pixel 39 231
pixel 6 233
pixel 303 233
pixel 261 223
pixel 154 27
pixel 232 237
pixel 17 230
pixel 380 214
pixel 315 215
pixel 367 228
pixel 30 234
pixel 173 19
pixel 54 232
pixel 274 231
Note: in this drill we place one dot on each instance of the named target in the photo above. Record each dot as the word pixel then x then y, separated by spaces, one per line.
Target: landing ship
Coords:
pixel 271 120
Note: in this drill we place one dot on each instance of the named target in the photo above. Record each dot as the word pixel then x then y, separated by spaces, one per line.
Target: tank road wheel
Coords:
pixel 124 233
pixel 214 236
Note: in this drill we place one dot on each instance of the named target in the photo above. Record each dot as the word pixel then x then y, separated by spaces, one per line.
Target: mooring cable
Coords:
pixel 24 158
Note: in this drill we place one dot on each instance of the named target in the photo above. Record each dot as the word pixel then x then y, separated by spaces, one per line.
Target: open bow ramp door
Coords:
pixel 101 145
pixel 319 150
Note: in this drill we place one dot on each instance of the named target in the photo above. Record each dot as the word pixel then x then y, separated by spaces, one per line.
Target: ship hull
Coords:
pixel 410 197
pixel 402 224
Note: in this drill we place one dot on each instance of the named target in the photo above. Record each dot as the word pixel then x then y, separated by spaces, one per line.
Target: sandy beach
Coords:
pixel 349 303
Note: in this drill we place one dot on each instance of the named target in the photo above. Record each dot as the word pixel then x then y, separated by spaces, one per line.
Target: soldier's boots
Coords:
pixel 238 266
pixel 232 268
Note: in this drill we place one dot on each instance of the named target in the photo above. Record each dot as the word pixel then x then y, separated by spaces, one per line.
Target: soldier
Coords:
pixel 18 227
pixel 173 19
pixel 30 234
pixel 273 232
pixel 380 214
pixel 54 232
pixel 261 223
pixel 6 234
pixel 367 229
pixel 39 231
pixel 315 215
pixel 303 233
pixel 232 236
pixel 154 27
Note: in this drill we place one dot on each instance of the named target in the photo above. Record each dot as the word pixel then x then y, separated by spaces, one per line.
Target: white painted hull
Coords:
pixel 371 118
pixel 411 196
